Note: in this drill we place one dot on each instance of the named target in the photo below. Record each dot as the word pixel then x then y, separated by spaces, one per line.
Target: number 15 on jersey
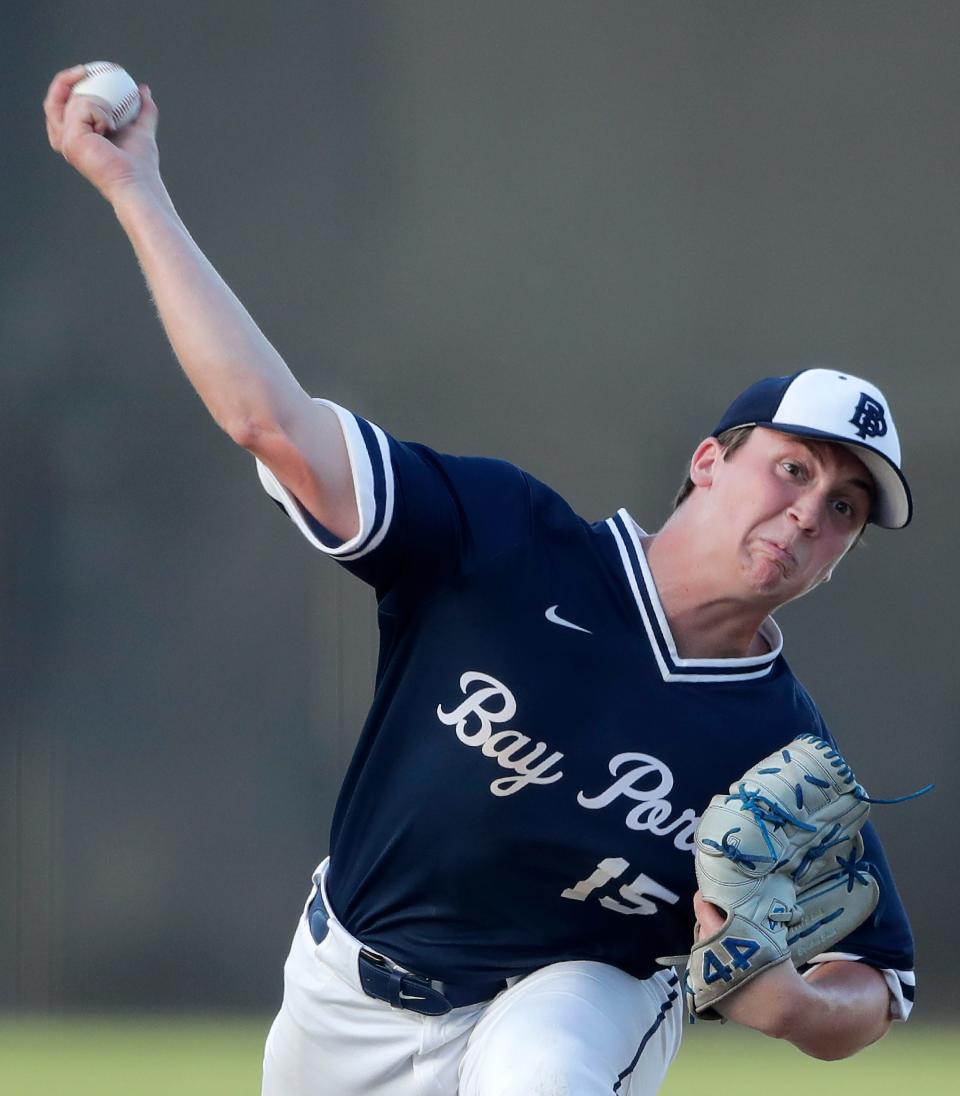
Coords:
pixel 638 896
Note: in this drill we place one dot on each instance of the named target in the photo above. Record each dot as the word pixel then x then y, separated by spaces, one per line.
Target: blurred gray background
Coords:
pixel 562 233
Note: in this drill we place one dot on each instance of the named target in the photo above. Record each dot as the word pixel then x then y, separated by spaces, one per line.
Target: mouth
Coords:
pixel 780 554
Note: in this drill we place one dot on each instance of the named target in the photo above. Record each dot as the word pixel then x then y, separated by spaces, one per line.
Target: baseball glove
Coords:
pixel 781 855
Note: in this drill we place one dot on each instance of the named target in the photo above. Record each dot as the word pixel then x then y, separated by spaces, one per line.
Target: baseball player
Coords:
pixel 556 702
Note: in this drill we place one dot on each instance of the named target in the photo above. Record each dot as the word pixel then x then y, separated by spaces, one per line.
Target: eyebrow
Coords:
pixel 867 486
pixel 816 449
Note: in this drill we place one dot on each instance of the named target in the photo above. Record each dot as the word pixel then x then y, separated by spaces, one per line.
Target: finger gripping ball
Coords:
pixel 113 88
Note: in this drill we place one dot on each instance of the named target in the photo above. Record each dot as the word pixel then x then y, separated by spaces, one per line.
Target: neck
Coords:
pixel 705 621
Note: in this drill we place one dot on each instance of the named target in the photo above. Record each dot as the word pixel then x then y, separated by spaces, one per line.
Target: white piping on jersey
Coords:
pixel 363 482
pixel 769 630
pixel 896 979
pixel 362 474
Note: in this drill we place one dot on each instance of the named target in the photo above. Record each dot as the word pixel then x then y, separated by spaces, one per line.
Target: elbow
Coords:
pixel 249 433
pixel 835 1052
pixel 861 1041
pixel 835 1043
pixel 830 1054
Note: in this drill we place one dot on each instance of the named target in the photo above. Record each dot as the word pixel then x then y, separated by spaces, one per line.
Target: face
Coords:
pixel 784 511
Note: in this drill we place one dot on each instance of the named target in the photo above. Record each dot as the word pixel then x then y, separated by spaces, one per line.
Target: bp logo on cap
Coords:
pixel 869 418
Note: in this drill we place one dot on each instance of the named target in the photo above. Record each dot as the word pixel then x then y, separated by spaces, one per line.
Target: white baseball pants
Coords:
pixel 576 1029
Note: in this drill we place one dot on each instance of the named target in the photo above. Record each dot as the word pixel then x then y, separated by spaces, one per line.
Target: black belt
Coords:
pixel 401 989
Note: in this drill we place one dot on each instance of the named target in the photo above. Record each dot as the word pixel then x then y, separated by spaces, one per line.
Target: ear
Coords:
pixel 704 461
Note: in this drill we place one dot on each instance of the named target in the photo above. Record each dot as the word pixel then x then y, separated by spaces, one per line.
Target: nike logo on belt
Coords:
pixel 551 615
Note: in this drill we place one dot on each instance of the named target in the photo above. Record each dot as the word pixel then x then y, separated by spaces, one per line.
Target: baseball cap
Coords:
pixel 835 407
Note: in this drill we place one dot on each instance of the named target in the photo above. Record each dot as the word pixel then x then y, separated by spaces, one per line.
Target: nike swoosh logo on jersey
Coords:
pixel 551 615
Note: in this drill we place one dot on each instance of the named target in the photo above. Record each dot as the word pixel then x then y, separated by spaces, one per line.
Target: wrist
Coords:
pixel 137 199
pixel 769 1003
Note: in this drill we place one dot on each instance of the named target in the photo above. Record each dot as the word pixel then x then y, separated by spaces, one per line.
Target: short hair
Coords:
pixel 730 441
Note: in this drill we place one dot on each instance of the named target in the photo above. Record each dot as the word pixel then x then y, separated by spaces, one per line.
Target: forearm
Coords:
pixel 837 1010
pixel 238 374
pixel 851 1011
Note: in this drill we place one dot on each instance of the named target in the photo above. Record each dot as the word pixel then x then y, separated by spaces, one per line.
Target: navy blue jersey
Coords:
pixel 528 782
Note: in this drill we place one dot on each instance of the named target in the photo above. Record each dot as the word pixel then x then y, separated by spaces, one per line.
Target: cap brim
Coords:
pixel 893 505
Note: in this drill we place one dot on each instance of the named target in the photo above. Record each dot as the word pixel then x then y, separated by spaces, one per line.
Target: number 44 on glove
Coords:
pixel 781 855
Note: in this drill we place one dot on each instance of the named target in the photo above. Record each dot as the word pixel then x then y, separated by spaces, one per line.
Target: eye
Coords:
pixel 843 507
pixel 792 468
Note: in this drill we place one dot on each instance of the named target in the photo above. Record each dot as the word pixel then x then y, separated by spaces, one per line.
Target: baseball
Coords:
pixel 113 88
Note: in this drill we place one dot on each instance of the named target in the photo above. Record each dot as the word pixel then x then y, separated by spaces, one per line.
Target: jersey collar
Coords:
pixel 627 534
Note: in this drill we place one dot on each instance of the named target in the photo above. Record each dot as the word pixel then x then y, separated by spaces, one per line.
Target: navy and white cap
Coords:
pixel 836 407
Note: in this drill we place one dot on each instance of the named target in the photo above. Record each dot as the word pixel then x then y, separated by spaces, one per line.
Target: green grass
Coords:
pixel 721 1060
pixel 189 1056
pixel 138 1056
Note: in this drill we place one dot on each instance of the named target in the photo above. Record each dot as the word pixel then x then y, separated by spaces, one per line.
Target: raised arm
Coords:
pixel 240 377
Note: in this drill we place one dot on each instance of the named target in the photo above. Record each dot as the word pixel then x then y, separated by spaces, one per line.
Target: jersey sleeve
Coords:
pixel 424 516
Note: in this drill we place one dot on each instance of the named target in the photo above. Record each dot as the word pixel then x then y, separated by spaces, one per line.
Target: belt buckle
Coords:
pixel 400 988
pixel 373 957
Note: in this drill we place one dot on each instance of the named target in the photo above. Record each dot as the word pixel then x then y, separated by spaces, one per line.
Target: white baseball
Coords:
pixel 113 88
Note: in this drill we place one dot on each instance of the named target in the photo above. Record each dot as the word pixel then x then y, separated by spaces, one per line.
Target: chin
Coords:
pixel 775 590
pixel 764 575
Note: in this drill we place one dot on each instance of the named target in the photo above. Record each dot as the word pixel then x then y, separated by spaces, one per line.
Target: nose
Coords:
pixel 805 511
